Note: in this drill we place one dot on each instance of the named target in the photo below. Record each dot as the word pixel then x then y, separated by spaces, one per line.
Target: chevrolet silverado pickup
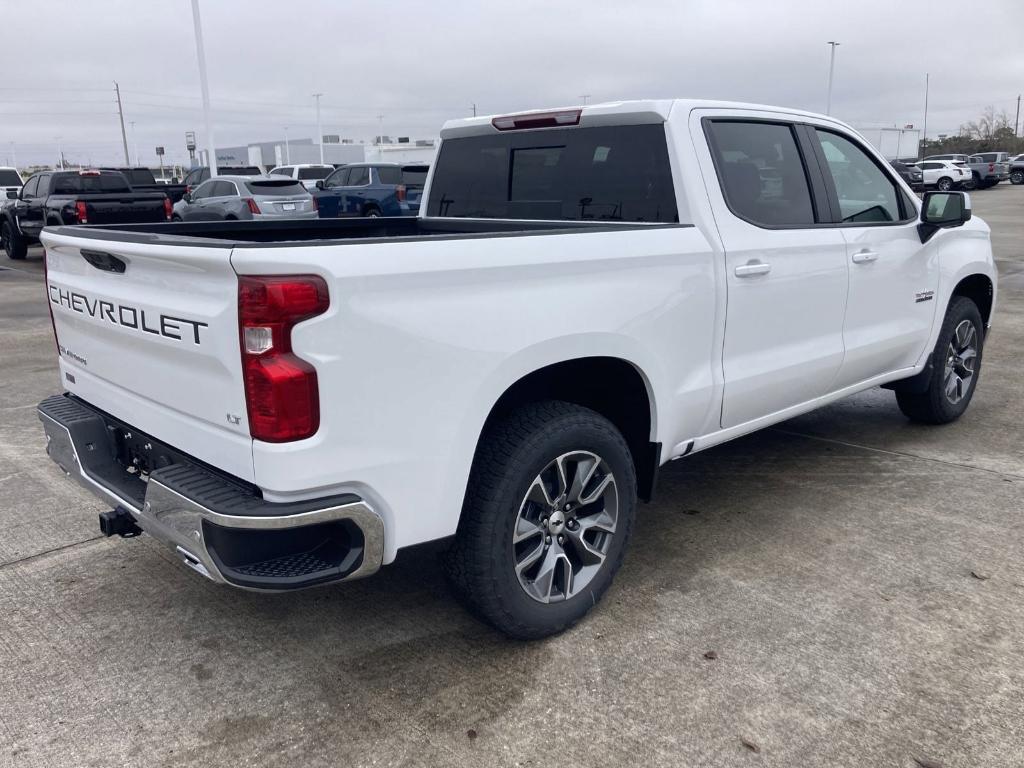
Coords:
pixel 55 198
pixel 587 294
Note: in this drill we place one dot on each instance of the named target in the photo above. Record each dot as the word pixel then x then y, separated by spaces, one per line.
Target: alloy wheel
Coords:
pixel 960 359
pixel 565 526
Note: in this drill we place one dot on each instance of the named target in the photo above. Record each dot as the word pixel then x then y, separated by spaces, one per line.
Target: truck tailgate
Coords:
pixel 124 209
pixel 149 334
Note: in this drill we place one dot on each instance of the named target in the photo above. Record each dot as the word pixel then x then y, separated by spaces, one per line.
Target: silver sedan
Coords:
pixel 228 198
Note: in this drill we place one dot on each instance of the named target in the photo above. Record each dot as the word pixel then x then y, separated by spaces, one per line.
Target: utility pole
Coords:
pixel 60 152
pixel 1016 120
pixel 319 128
pixel 586 98
pixel 474 108
pixel 831 72
pixel 14 156
pixel 924 133
pixel 211 147
pixel 287 149
pixel 380 130
pixel 120 112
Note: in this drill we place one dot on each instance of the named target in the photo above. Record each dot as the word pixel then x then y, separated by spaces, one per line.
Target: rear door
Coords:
pixel 893 277
pixel 786 267
pixel 149 333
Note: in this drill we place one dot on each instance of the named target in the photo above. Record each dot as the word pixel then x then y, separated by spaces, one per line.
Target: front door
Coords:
pixel 786 270
pixel 893 277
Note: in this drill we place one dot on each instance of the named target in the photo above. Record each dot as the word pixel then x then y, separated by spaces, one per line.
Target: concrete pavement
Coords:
pixel 857 580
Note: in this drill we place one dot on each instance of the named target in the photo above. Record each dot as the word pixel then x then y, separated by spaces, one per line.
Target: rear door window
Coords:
pixel 358 177
pixel 762 172
pixel 613 173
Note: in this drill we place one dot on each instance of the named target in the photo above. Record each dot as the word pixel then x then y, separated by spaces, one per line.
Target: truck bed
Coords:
pixel 232 234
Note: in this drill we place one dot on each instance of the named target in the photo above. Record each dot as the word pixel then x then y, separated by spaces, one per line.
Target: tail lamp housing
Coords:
pixel 168 208
pixel 81 212
pixel 253 207
pixel 281 392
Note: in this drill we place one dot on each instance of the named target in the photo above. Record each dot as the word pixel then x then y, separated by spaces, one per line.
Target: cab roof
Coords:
pixel 617 113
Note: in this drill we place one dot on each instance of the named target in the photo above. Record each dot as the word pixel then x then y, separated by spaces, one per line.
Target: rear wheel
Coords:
pixel 956 366
pixel 12 243
pixel 1017 176
pixel 372 212
pixel 547 517
pixel 944 184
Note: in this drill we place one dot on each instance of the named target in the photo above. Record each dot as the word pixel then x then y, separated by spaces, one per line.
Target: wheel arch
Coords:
pixel 611 386
pixel 980 289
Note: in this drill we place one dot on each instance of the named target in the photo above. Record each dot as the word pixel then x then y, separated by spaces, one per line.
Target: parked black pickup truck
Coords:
pixel 143 180
pixel 75 197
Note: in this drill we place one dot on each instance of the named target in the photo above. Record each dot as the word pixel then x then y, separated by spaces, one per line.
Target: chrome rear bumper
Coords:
pixel 190 509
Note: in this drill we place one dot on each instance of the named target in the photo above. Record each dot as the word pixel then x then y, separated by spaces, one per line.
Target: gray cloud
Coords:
pixel 418 64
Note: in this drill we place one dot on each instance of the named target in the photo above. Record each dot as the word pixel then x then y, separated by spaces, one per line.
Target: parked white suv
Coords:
pixel 309 173
pixel 944 175
pixel 586 295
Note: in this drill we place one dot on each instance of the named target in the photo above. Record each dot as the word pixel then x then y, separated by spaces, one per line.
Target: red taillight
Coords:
pixel 188 188
pixel 46 282
pixel 168 208
pixel 281 393
pixel 400 192
pixel 81 213
pixel 991 167
pixel 253 208
pixel 316 204
pixel 538 120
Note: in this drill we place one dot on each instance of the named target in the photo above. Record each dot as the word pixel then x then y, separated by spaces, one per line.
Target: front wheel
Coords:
pixel 13 245
pixel 956 365
pixel 548 514
pixel 1017 177
pixel 944 184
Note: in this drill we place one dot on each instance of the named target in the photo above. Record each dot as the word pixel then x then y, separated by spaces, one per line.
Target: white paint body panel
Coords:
pixel 423 336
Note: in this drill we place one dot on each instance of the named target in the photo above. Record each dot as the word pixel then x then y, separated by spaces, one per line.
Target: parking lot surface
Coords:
pixel 846 589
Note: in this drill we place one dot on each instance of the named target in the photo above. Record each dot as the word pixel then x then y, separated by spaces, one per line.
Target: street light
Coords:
pixel 831 71
pixel 319 129
pixel 287 149
pixel 201 57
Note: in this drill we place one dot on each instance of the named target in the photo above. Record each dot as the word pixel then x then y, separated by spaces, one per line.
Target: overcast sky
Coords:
pixel 418 64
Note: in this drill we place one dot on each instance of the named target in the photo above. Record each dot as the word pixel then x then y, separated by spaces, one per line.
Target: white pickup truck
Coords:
pixel 587 294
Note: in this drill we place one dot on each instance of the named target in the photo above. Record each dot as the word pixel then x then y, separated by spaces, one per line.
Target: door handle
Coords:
pixel 753 268
pixel 865 257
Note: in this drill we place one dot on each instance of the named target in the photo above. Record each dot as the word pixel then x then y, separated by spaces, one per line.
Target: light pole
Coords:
pixel 319 128
pixel 135 144
pixel 380 130
pixel 14 156
pixel 287 149
pixel 831 72
pixel 201 58
pixel 60 152
pixel 924 132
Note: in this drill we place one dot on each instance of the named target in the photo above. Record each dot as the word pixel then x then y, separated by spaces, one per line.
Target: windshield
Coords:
pixel 276 188
pixel 73 184
pixel 614 173
pixel 9 178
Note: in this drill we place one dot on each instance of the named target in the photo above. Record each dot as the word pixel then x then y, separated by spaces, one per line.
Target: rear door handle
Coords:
pixel 753 268
pixel 865 257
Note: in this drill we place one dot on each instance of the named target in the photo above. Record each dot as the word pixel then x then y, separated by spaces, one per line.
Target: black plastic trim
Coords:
pixel 204 485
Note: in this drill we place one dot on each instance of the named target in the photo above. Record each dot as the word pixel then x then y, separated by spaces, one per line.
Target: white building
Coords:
pixel 269 154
